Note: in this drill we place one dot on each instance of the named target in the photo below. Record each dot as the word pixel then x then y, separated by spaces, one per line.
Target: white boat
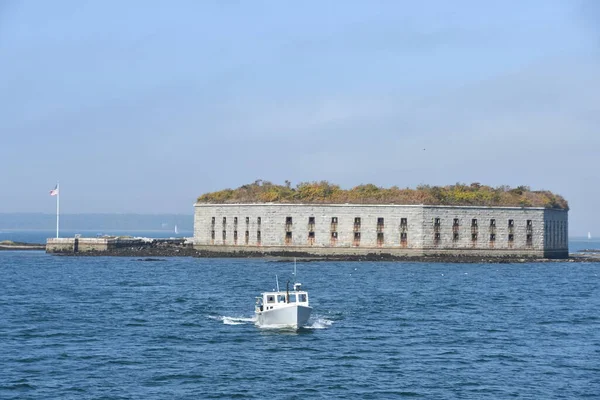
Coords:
pixel 283 309
pixel 589 235
pixel 176 230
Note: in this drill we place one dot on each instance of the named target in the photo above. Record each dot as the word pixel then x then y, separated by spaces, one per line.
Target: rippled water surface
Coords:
pixel 182 328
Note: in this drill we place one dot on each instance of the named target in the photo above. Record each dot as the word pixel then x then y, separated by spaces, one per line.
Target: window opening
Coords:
pixel 529 239
pixel 403 238
pixel 311 223
pixel 380 239
pixel 356 241
pixel 311 238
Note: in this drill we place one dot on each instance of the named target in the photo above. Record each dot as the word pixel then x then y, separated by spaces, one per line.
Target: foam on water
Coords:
pixel 238 320
pixel 320 323
pixel 233 320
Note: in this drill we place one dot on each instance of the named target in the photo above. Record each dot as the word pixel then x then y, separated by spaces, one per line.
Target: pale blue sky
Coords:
pixel 141 106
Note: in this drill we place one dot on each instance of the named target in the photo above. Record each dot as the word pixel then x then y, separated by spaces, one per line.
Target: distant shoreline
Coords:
pixel 10 245
pixel 6 230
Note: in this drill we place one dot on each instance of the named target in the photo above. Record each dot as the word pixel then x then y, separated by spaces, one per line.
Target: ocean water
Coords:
pixel 182 328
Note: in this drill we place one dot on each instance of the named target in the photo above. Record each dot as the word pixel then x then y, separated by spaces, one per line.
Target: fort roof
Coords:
pixel 324 192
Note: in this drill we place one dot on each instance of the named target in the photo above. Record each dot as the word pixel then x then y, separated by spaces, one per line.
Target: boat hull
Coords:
pixel 290 316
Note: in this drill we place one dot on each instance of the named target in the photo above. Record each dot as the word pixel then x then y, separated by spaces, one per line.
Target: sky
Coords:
pixel 142 106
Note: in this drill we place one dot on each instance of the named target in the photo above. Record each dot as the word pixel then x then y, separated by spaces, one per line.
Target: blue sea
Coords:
pixel 182 328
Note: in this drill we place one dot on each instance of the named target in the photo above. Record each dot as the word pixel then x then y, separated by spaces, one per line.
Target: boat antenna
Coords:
pixel 277 279
pixel 295 280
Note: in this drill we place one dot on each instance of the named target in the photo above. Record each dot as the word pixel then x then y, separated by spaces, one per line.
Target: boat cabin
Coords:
pixel 273 300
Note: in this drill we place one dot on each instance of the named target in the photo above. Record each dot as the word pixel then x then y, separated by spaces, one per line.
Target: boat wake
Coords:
pixel 319 323
pixel 233 320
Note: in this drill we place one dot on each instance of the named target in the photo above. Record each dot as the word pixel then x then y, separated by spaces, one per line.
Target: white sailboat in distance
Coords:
pixel 589 235
pixel 176 230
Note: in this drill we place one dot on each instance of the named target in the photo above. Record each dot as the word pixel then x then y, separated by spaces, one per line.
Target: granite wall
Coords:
pixel 382 229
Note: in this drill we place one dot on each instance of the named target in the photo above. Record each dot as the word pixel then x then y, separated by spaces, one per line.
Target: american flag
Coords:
pixel 54 191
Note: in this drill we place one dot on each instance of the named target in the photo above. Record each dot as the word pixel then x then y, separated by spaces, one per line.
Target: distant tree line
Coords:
pixel 324 192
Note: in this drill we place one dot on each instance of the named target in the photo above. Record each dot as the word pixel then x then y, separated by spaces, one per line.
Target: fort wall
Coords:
pixel 355 229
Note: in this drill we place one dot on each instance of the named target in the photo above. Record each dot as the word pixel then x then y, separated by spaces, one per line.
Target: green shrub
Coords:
pixel 324 192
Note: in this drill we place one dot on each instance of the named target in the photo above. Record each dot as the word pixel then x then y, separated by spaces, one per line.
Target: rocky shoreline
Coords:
pixel 151 253
pixel 181 249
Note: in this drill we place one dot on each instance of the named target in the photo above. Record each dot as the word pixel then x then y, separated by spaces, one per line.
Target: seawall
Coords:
pixel 109 245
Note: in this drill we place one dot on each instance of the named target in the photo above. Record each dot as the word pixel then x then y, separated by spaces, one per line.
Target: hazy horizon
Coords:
pixel 96 221
pixel 142 106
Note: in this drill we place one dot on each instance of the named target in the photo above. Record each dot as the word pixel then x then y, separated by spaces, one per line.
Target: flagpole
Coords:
pixel 57 207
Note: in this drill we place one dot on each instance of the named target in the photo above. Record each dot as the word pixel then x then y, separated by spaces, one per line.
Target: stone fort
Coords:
pixel 384 229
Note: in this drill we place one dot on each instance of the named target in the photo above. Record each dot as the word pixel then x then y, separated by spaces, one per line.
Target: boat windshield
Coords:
pixel 292 298
pixel 302 298
pixel 281 298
